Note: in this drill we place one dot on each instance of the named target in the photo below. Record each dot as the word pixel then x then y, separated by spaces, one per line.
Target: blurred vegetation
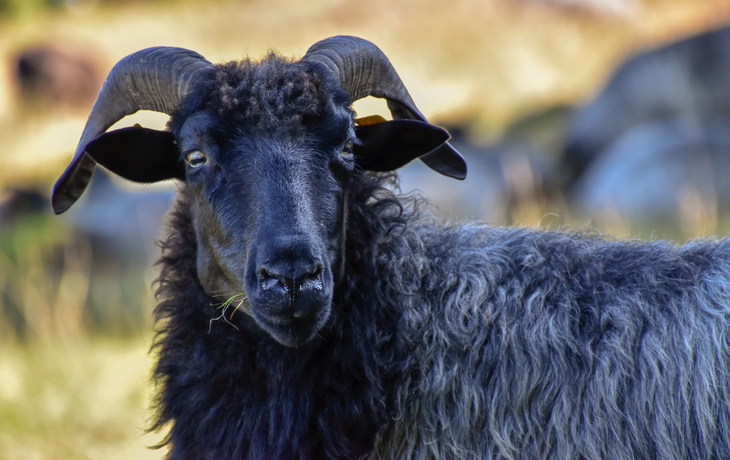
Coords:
pixel 15 7
pixel 52 288
pixel 74 367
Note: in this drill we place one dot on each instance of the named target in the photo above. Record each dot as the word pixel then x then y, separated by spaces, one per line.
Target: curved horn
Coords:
pixel 363 70
pixel 152 79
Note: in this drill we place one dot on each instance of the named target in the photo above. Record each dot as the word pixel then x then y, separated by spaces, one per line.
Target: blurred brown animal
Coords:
pixel 54 76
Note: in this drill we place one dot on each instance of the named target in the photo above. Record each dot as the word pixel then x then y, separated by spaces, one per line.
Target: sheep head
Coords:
pixel 266 149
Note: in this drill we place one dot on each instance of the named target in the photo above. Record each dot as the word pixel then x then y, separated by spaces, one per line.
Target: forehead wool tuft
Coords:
pixel 269 94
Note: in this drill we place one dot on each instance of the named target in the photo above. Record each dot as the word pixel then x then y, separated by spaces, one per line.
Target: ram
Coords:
pixel 307 311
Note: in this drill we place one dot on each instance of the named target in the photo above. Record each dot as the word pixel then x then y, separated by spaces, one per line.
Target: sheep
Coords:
pixel 368 329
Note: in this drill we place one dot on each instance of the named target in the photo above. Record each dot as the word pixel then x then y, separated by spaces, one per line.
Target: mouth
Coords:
pixel 291 328
pixel 290 301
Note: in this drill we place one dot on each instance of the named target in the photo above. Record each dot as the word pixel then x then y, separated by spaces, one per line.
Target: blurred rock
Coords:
pixel 648 172
pixel 687 78
pixel 515 172
pixel 121 223
pixel 657 136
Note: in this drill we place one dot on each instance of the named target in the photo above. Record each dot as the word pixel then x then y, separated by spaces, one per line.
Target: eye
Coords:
pixel 347 149
pixel 196 159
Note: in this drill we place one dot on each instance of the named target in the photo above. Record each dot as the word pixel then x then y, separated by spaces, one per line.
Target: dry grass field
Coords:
pixel 84 399
pixel 68 391
pixel 485 62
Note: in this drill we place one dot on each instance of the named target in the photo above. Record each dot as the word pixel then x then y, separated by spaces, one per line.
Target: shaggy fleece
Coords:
pixel 458 342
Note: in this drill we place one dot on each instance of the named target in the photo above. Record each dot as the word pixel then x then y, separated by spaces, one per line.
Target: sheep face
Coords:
pixel 268 215
pixel 267 160
pixel 267 150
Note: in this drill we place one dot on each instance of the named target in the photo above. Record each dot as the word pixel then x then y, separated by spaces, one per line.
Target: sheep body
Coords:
pixel 463 342
pixel 369 330
pixel 562 345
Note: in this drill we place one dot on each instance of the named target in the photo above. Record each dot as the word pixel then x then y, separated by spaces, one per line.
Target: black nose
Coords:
pixel 304 276
pixel 290 267
pixel 289 286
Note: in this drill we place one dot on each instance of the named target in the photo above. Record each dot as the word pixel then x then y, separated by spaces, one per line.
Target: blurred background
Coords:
pixel 587 114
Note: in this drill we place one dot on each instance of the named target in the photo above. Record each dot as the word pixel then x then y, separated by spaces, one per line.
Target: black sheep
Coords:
pixel 368 330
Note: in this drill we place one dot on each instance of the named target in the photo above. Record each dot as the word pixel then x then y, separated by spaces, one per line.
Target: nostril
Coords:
pixel 311 281
pixel 271 280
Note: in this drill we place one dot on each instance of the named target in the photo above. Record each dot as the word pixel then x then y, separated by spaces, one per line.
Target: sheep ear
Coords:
pixel 138 154
pixel 390 145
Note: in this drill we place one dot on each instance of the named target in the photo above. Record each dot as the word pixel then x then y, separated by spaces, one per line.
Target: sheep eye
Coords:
pixel 347 150
pixel 196 159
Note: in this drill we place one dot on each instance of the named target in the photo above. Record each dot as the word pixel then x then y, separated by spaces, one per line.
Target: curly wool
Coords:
pixel 264 95
pixel 462 342
pixel 240 394
pixel 568 346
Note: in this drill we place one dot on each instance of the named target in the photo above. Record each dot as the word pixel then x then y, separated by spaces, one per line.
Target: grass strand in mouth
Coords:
pixel 230 299
pixel 225 306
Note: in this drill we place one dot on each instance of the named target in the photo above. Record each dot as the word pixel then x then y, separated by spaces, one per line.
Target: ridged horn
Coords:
pixel 363 70
pixel 154 79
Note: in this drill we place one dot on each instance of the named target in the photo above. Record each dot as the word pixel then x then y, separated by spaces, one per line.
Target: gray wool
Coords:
pixel 565 345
